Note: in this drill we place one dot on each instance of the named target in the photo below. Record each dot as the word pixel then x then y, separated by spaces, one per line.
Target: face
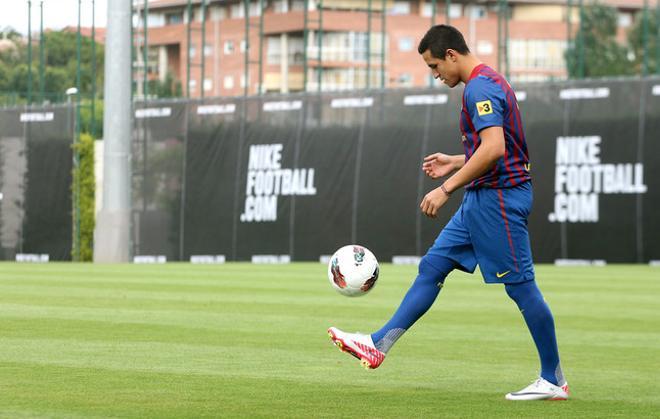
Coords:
pixel 444 69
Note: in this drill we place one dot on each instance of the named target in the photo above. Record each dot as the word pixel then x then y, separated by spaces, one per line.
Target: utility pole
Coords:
pixel 93 110
pixel 112 235
pixel 41 53
pixel 29 80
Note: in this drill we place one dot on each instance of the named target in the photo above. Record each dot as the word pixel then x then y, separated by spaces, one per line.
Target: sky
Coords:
pixel 57 14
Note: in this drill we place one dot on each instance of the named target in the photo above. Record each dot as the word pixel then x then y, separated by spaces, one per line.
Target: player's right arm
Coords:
pixel 438 164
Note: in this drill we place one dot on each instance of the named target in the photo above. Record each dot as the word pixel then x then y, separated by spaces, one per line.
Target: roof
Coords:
pixel 87 32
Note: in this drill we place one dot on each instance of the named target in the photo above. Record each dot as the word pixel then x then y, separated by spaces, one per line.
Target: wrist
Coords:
pixel 444 189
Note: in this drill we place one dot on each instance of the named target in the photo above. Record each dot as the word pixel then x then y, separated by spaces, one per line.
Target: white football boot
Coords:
pixel 540 389
pixel 359 345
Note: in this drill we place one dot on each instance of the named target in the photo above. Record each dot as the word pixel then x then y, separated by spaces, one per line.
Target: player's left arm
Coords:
pixel 483 159
pixel 485 104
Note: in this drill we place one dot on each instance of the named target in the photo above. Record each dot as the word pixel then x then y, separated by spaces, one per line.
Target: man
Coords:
pixel 489 228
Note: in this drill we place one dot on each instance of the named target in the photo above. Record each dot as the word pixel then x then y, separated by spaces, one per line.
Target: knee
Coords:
pixel 435 269
pixel 523 291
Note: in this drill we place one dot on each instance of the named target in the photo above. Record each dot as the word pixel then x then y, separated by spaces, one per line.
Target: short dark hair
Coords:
pixel 440 38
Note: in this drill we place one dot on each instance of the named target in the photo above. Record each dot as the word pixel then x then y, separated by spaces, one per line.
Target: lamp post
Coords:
pixel 70 92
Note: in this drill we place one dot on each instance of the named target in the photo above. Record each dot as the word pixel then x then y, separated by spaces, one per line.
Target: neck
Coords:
pixel 468 65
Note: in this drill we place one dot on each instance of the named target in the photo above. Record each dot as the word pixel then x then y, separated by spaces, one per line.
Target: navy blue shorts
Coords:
pixel 490 229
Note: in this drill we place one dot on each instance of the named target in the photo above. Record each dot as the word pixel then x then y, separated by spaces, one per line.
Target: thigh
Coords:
pixel 497 224
pixel 454 243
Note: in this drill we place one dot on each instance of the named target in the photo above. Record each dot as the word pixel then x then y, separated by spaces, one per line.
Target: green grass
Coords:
pixel 182 340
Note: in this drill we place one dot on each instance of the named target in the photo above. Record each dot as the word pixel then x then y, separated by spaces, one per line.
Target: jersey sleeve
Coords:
pixel 486 103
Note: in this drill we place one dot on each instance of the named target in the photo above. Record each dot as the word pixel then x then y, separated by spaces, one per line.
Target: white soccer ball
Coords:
pixel 353 270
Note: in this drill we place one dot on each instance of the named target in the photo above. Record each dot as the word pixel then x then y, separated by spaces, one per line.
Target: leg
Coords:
pixel 541 325
pixel 432 273
pixel 498 227
pixel 452 249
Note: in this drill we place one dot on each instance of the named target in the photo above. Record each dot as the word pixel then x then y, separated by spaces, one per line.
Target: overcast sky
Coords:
pixel 57 14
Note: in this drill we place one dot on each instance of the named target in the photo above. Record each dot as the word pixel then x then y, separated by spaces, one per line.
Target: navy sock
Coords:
pixel 541 325
pixel 420 297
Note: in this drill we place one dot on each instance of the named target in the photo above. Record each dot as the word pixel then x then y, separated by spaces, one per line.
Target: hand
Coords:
pixel 433 201
pixel 438 165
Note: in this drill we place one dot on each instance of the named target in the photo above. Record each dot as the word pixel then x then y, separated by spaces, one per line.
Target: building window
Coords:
pixel 296 50
pixel 537 54
pixel 281 6
pixel 295 53
pixel 400 8
pixel 208 50
pixel 255 8
pixel 197 14
pixel 218 13
pixel 347 46
pixel 228 82
pixel 297 5
pixel 192 51
pixel 192 85
pixel 237 11
pixel 155 20
pixel 406 44
pixel 243 81
pixel 344 79
pixel 455 10
pixel 229 47
pixel 173 18
pixel 152 60
pixel 274 50
pixel 478 12
pixel 357 44
pixel 243 46
pixel 484 47
pixel 208 85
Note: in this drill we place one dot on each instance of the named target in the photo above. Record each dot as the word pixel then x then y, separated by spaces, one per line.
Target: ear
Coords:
pixel 452 55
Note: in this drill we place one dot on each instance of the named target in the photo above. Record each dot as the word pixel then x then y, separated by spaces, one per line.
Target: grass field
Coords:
pixel 182 340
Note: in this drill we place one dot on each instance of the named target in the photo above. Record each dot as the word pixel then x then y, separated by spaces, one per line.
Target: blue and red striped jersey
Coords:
pixel 489 101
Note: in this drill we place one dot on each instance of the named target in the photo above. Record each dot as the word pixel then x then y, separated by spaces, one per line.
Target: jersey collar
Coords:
pixel 476 70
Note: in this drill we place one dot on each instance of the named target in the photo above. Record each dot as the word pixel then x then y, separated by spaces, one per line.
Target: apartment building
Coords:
pixel 362 43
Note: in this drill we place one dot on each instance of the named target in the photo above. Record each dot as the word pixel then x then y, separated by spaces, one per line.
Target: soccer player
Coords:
pixel 490 226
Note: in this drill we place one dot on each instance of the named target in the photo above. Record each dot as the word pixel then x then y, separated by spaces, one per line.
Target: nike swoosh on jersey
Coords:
pixel 500 275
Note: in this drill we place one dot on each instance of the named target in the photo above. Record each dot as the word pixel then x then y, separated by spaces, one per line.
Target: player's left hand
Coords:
pixel 432 202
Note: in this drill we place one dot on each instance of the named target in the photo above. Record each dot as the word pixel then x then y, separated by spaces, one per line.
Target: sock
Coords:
pixel 417 301
pixel 541 325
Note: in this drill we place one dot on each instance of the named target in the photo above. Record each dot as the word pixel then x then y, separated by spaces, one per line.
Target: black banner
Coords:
pixel 283 178
pixel 36 160
pixel 294 177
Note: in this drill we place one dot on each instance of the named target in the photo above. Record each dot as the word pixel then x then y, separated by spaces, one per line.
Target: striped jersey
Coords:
pixel 489 101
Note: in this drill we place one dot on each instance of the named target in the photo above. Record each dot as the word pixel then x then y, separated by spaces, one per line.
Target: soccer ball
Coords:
pixel 353 270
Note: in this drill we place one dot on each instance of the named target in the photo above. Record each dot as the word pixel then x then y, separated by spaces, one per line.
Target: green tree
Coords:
pixel 84 184
pixel 10 33
pixel 595 51
pixel 636 42
pixel 86 118
pixel 166 88
pixel 60 65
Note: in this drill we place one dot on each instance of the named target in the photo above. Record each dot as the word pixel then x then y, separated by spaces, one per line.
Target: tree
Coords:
pixel 595 51
pixel 636 42
pixel 60 65
pixel 166 88
pixel 10 33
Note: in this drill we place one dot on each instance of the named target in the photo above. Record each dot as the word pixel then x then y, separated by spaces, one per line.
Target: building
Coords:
pixel 361 45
